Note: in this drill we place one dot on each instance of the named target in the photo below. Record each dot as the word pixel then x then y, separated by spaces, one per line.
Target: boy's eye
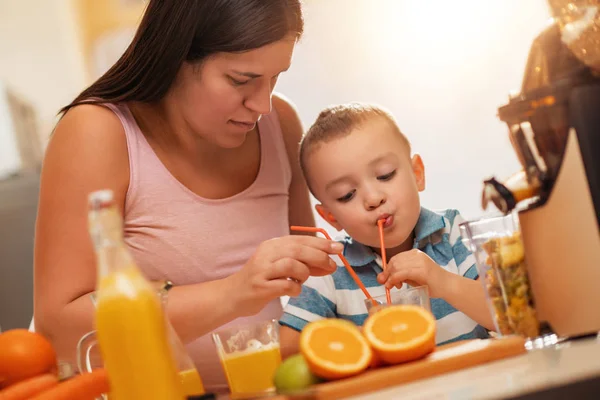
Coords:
pixel 387 177
pixel 347 197
pixel 236 82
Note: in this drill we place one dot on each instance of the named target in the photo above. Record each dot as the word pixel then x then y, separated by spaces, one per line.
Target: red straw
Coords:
pixel 383 257
pixel 346 264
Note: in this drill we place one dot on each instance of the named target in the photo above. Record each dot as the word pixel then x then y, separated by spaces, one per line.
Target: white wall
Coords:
pixel 39 55
pixel 442 68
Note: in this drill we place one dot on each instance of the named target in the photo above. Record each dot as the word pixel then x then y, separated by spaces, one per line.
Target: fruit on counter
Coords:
pixel 24 355
pixel 335 348
pixel 86 386
pixel 400 333
pixel 376 362
pixel 30 387
pixel 294 374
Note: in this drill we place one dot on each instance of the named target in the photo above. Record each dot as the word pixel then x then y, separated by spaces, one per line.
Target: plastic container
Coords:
pixel 500 258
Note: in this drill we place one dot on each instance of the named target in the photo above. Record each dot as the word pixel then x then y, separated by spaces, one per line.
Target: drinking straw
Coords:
pixel 383 257
pixel 346 264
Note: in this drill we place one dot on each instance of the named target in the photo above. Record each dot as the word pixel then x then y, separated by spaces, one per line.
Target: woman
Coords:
pixel 208 188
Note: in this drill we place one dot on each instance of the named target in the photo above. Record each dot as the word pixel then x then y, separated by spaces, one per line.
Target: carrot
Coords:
pixel 28 388
pixel 82 387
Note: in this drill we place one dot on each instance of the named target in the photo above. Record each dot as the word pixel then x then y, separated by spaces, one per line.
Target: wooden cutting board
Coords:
pixel 444 359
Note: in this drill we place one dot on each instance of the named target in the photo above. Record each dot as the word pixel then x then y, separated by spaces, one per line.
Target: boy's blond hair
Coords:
pixel 338 121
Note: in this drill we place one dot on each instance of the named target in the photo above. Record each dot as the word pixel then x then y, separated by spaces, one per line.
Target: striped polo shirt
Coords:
pixel 337 295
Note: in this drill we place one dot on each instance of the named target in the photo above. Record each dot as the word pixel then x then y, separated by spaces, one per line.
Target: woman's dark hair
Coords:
pixel 174 31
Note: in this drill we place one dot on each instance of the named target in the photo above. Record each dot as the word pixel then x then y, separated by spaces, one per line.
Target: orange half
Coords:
pixel 400 333
pixel 335 348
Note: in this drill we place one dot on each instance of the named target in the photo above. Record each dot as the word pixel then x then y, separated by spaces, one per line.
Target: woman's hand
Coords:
pixel 279 267
pixel 415 268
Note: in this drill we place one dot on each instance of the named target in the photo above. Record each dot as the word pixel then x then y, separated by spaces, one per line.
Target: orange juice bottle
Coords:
pixel 130 323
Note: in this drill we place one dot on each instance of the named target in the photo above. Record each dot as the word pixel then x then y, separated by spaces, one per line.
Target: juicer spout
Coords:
pixel 506 195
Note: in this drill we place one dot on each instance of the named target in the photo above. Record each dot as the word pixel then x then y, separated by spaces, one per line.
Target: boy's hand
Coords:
pixel 415 268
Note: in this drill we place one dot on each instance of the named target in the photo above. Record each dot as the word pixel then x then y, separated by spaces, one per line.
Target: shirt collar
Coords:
pixel 429 223
pixel 359 255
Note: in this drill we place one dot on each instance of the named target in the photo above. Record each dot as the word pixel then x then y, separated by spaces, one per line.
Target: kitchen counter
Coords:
pixel 575 363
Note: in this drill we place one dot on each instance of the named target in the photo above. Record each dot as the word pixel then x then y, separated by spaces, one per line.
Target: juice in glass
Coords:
pixel 249 355
pixel 251 371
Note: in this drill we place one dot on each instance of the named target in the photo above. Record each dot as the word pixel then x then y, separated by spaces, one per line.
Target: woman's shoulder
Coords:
pixel 289 120
pixel 282 103
pixel 88 144
pixel 285 110
pixel 90 122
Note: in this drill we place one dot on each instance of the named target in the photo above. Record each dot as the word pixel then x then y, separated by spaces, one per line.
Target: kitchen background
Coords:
pixel 442 67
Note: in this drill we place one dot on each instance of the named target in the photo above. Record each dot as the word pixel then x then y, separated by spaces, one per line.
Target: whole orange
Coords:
pixel 23 355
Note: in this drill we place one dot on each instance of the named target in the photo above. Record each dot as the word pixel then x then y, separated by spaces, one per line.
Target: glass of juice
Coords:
pixel 418 296
pixel 249 355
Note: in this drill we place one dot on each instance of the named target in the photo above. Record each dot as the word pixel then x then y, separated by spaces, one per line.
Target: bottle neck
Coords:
pixel 106 230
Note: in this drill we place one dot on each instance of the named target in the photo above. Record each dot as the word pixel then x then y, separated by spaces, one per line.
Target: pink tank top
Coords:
pixel 175 234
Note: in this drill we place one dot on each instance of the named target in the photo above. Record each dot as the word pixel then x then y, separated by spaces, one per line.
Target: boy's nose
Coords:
pixel 374 201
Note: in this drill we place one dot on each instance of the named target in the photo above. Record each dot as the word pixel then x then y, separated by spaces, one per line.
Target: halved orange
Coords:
pixel 400 333
pixel 335 348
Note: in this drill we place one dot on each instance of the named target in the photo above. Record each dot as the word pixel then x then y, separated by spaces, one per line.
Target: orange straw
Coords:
pixel 383 257
pixel 346 264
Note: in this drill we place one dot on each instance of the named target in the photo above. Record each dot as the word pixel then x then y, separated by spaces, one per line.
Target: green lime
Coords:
pixel 294 374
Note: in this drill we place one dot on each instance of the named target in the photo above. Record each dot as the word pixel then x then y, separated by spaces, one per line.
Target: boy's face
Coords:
pixel 365 176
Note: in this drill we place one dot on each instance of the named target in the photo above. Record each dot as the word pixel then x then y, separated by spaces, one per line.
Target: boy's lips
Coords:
pixel 388 220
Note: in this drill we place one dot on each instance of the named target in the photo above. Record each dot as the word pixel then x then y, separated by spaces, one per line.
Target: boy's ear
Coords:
pixel 419 171
pixel 327 216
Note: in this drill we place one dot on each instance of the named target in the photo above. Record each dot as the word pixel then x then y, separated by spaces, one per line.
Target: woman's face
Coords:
pixel 222 99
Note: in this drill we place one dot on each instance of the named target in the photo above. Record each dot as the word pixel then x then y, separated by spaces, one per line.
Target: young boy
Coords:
pixel 359 166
